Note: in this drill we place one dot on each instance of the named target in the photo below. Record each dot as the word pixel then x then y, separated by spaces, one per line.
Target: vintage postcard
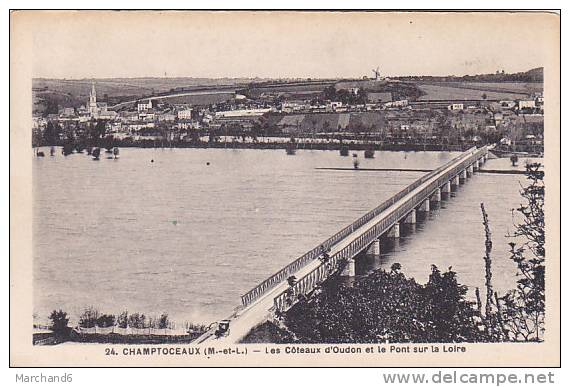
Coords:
pixel 271 188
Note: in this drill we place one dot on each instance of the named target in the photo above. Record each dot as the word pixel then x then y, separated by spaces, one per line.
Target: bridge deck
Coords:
pixel 259 310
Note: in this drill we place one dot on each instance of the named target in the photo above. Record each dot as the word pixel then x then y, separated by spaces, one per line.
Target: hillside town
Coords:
pixel 357 112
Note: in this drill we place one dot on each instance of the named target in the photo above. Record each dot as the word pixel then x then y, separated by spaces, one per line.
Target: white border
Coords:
pixel 238 377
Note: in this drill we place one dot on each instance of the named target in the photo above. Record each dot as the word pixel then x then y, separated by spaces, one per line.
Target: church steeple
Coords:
pixel 93 95
pixel 93 110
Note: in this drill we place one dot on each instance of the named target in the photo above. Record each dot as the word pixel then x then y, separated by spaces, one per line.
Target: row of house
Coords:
pixel 295 106
pixel 294 115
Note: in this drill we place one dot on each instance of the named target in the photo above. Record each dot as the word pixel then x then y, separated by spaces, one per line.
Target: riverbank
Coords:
pixel 50 338
pixel 300 145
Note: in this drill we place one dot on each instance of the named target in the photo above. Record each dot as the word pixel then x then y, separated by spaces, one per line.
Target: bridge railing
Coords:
pixel 297 264
pixel 308 282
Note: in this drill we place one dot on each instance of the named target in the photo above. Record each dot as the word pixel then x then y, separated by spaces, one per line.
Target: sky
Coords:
pixel 282 45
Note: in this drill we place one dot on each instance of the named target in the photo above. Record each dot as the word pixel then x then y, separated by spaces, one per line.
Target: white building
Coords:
pixel 334 105
pixel 107 114
pixel 184 114
pixel 400 103
pixel 166 117
pixel 145 105
pixel 243 113
pixel 540 101
pixel 68 111
pixel 527 104
pixel 455 106
pixel 290 107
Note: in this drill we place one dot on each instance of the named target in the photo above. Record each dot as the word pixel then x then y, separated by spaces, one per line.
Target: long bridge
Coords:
pixel 280 292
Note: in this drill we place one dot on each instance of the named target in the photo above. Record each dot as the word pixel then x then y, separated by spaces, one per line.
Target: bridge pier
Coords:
pixel 411 218
pixel 374 248
pixel 476 165
pixel 463 175
pixel 394 231
pixel 455 180
pixel 350 268
pixel 470 170
pixel 424 206
pixel 436 197
pixel 446 188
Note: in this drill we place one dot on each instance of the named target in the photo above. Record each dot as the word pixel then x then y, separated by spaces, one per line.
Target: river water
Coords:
pixel 164 231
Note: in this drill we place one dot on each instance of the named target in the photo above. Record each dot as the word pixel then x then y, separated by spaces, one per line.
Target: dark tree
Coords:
pixel 51 133
pixel 52 107
pixel 106 320
pixel 137 320
pixel 89 317
pixel 59 321
pixel 387 307
pixel 123 319
pixel 452 318
pixel 163 321
pixel 37 138
pixel 523 311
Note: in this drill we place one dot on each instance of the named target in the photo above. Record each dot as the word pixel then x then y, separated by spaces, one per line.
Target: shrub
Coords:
pixel 59 321
pixel 89 318
pixel 163 321
pixel 123 319
pixel 137 320
pixel 106 320
pixel 387 307
pixel 523 309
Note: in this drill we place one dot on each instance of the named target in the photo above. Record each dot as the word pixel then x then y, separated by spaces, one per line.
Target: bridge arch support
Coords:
pixel 455 180
pixel 411 218
pixel 374 248
pixel 424 207
pixel 436 196
pixel 394 231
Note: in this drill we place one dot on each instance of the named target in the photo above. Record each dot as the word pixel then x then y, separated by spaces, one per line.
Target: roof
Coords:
pixel 379 96
pixel 293 120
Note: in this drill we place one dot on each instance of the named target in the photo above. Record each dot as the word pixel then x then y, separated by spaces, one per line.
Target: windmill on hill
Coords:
pixel 376 73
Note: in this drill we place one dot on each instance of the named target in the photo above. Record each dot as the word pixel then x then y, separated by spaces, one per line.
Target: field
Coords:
pixel 114 87
pixel 477 90
pixel 506 87
pixel 301 89
pixel 201 99
pixel 327 122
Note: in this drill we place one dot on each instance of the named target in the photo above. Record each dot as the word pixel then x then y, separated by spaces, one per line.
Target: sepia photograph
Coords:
pixel 249 188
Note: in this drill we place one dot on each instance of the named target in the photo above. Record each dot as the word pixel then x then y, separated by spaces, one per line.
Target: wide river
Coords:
pixel 187 231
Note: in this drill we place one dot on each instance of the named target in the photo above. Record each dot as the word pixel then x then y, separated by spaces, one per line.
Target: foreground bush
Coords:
pixel 388 307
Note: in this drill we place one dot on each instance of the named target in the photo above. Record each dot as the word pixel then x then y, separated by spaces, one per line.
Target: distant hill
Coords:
pixel 533 75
